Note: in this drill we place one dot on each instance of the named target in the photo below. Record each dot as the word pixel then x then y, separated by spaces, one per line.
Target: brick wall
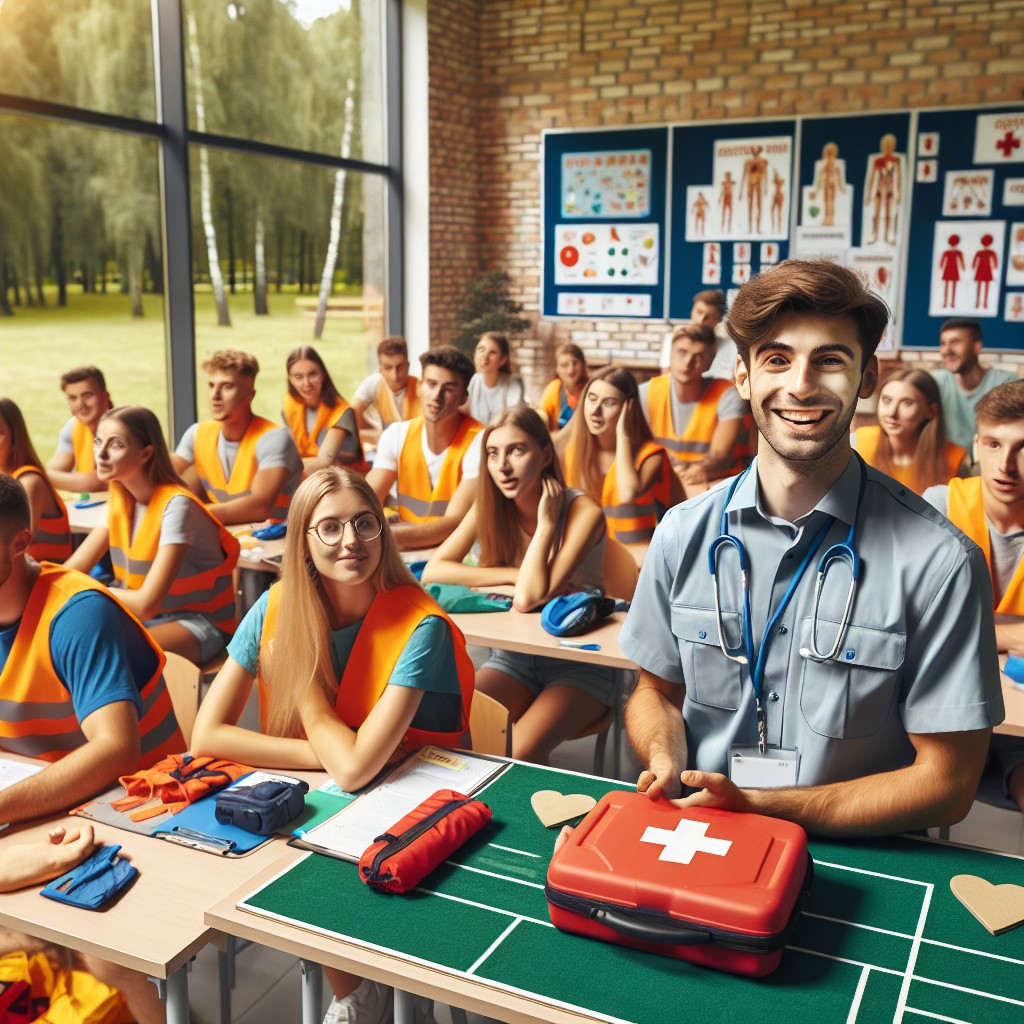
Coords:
pixel 526 65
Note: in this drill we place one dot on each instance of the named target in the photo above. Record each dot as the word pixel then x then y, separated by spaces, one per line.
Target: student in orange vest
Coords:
pixel 612 457
pixel 71 467
pixel 543 539
pixel 990 510
pixel 172 558
pixel 435 458
pixel 389 395
pixel 355 663
pixel 909 444
pixel 561 396
pixel 244 466
pixel 698 420
pixel 51 532
pixel 321 422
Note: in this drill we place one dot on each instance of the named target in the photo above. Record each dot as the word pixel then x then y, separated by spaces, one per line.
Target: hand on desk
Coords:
pixel 38 860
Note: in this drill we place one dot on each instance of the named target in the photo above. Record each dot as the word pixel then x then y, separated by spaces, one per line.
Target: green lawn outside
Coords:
pixel 38 344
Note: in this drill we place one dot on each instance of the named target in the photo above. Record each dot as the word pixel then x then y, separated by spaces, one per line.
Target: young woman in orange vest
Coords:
pixel 612 456
pixel 562 395
pixel 172 559
pixel 909 443
pixel 50 528
pixel 543 539
pixel 321 421
pixel 355 664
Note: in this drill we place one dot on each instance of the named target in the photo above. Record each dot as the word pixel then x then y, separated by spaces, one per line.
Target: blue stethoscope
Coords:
pixel 745 654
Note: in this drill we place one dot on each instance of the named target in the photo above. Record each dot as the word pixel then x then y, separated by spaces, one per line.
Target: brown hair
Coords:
pixel 969 324
pixel 1003 404
pixel 302 639
pixel 700 333
pixel 232 360
pixel 501 340
pixel 497 527
pixel 581 440
pixel 15 513
pixel 711 297
pixel 329 394
pixel 812 287
pixel 145 429
pixel 393 345
pixel 448 357
pixel 23 452
pixel 567 348
pixel 929 466
pixel 80 373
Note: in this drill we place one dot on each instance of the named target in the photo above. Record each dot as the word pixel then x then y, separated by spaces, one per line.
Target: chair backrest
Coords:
pixel 620 570
pixel 182 680
pixel 490 726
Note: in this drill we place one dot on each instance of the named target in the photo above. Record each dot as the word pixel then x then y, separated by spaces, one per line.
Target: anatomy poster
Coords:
pixel 1015 257
pixel 885 184
pixel 750 188
pixel 967 193
pixel 967 268
pixel 604 254
pixel 613 183
pixel 603 304
pixel 827 200
pixel 999 138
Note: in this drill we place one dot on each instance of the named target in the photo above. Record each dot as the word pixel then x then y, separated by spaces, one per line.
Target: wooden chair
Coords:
pixel 182 680
pixel 490 726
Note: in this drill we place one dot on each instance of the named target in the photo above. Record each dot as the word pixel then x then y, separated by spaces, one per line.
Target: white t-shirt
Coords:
pixel 392 441
pixel 366 395
pixel 487 404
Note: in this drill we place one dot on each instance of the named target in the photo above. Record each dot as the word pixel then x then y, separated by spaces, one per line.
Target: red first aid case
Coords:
pixel 714 887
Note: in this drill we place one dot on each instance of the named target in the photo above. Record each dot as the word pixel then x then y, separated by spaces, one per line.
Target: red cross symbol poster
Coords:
pixel 999 138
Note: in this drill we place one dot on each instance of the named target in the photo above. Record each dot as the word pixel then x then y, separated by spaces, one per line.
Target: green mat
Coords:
pixel 882 930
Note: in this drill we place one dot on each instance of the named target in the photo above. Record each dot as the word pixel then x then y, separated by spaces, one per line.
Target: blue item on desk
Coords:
pixel 1014 668
pixel 275 531
pixel 95 882
pixel 572 614
pixel 416 568
pixel 90 504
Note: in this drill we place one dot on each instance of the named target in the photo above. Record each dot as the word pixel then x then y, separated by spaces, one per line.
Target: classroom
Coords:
pixel 339 226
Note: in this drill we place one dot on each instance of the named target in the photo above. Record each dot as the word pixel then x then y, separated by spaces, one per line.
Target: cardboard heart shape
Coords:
pixel 557 808
pixel 998 907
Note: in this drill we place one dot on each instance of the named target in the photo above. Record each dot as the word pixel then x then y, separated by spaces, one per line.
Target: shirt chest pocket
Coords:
pixel 711 678
pixel 853 696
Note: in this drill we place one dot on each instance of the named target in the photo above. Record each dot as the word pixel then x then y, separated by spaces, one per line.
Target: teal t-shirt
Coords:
pixel 427 663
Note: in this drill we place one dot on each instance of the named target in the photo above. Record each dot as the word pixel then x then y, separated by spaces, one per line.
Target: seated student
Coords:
pixel 543 539
pixel 909 444
pixel 494 387
pixel 708 310
pixel 990 510
pixel 434 458
pixel 322 423
pixel 561 396
pixel 245 467
pixel 71 467
pixel 390 394
pixel 699 421
pixel 612 457
pixel 172 558
pixel 354 663
pixel 51 532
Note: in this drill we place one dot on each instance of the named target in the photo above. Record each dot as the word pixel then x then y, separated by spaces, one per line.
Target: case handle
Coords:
pixel 649 931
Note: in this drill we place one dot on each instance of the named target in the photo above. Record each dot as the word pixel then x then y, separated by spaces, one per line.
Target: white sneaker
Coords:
pixel 423 1010
pixel 368 1003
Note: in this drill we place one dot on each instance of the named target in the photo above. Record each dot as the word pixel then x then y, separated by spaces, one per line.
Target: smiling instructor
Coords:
pixel 851 717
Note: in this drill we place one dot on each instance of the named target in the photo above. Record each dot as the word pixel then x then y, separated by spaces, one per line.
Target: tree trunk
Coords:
pixel 302 262
pixel 230 203
pixel 5 302
pixel 259 290
pixel 135 286
pixel 57 254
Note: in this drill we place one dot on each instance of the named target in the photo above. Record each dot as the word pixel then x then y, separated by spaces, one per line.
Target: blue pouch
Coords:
pixel 573 614
pixel 275 531
pixel 95 882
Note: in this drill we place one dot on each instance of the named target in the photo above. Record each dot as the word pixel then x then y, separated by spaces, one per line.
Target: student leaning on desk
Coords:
pixel 354 662
pixel 874 719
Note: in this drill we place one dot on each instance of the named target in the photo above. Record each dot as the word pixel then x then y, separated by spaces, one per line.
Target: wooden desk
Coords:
pixel 1013 698
pixel 85 520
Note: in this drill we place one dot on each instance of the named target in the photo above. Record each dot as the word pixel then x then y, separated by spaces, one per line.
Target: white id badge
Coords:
pixel 776 767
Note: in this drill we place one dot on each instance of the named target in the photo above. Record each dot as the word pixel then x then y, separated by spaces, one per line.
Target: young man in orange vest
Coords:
pixel 698 420
pixel 434 458
pixel 72 466
pixel 990 510
pixel 243 466
pixel 388 396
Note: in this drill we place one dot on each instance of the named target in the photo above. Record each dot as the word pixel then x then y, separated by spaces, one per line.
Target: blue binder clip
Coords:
pixel 94 882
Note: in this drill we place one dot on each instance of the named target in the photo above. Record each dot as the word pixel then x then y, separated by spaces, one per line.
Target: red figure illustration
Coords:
pixel 984 262
pixel 951 262
pixel 725 201
pixel 700 209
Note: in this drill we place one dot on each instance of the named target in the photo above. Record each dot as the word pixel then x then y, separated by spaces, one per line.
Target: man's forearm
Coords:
pixel 656 732
pixel 83 483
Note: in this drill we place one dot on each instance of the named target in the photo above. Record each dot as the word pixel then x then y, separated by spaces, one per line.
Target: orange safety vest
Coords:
pixel 966 511
pixel 555 400
pixel 418 502
pixel 868 440
pixel 382 637
pixel 209 592
pixel 388 407
pixel 211 472
pixel 52 538
pixel 82 441
pixel 294 413
pixel 694 443
pixel 37 716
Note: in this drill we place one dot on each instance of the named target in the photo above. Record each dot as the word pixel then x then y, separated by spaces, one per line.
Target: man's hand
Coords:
pixel 32 862
pixel 713 790
pixel 660 780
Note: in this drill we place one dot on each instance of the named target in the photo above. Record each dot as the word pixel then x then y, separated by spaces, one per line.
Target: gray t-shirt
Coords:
pixel 487 404
pixel 958 405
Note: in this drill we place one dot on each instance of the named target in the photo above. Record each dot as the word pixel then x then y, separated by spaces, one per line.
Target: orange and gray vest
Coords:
pixel 694 443
pixel 37 716
pixel 52 537
pixel 558 403
pixel 966 511
pixel 209 592
pixel 81 442
pixel 211 472
pixel 388 407
pixel 294 413
pixel 418 502
pixel 384 634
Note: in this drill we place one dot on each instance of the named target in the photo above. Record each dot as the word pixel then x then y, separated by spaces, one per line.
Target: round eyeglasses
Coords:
pixel 331 531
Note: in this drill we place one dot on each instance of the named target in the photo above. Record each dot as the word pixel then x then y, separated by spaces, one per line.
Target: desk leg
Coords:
pixel 404 1009
pixel 177 997
pixel 312 991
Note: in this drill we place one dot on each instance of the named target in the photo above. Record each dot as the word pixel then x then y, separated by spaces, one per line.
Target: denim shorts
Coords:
pixel 536 673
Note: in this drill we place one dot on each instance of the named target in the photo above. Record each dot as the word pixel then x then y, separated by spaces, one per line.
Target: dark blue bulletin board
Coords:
pixel 726 246
pixel 604 223
pixel 967 228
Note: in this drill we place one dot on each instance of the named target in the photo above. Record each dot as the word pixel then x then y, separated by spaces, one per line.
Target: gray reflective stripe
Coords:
pixel 174 601
pixel 133 566
pixel 218 495
pixel 29 710
pixel 700 447
pixel 148 700
pixel 634 536
pixel 160 733
pixel 631 511
pixel 418 507
pixel 33 746
pixel 187 603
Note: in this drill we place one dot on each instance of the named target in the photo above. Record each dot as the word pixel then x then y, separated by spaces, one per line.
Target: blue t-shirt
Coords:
pixel 427 663
pixel 97 653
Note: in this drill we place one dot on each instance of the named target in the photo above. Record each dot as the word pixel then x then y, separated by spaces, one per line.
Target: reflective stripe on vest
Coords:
pixel 211 472
pixel 209 592
pixel 37 717
pixel 966 511
pixel 417 501
pixel 51 540
pixel 694 443
pixel 388 407
pixel 383 635
pixel 294 413
pixel 82 442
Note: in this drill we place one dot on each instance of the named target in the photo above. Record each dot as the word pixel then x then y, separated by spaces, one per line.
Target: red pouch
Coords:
pixel 403 856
